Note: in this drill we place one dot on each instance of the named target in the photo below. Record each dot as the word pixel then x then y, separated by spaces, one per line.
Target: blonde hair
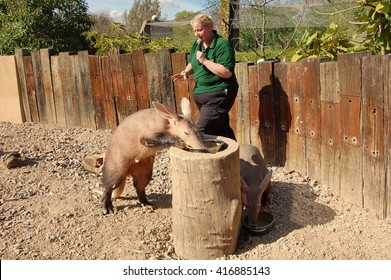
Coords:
pixel 203 19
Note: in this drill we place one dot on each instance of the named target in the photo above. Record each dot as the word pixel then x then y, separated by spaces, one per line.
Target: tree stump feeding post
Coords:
pixel 206 201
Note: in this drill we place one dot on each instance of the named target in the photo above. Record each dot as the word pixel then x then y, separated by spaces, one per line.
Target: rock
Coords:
pixel 94 163
pixel 14 159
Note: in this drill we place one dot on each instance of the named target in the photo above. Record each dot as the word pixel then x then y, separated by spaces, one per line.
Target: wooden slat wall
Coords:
pixel 327 120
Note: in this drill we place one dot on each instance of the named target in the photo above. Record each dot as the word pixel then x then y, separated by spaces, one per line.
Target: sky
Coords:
pixel 168 7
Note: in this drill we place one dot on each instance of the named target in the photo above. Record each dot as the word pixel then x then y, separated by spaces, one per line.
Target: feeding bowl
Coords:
pixel 212 146
pixel 265 223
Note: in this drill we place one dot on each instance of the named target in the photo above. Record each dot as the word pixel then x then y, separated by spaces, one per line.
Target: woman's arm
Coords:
pixel 216 68
pixel 183 75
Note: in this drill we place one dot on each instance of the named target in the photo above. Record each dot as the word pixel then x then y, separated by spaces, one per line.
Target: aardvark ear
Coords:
pixel 265 181
pixel 186 108
pixel 164 111
pixel 244 189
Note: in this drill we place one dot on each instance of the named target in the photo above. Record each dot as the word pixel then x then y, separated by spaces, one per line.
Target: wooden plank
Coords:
pixel 329 82
pixel 74 90
pixel 69 82
pixel 194 110
pixel 153 77
pixel 31 90
pixel 330 147
pixel 97 88
pixel 165 70
pixel 19 53
pixel 266 113
pixel 351 149
pixel 330 126
pixel 254 103
pixel 66 78
pixel 86 105
pixel 128 83
pixel 312 111
pixel 243 104
pixel 373 105
pixel 58 92
pixel 141 81
pixel 40 96
pixel 108 94
pixel 350 77
pixel 233 117
pixel 181 88
pixel 387 135
pixel 349 71
pixel 282 111
pixel 117 79
pixel 47 85
pixel 296 148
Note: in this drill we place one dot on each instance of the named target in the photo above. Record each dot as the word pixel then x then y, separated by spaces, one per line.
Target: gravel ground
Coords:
pixel 50 209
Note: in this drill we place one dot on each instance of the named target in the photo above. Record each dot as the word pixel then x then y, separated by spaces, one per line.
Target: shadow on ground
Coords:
pixel 294 206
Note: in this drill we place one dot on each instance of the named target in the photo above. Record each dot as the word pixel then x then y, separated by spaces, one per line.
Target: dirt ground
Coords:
pixel 49 209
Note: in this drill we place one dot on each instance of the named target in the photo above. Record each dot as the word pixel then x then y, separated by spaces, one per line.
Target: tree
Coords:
pixel 101 21
pixel 268 25
pixel 142 10
pixel 35 24
pixel 183 35
pixel 373 19
pixel 213 8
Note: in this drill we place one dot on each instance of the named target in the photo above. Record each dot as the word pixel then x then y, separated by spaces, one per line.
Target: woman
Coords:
pixel 212 61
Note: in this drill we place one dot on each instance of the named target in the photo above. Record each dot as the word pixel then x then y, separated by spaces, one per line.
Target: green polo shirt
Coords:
pixel 219 51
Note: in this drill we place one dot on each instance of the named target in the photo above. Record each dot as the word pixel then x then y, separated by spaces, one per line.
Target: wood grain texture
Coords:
pixel 373 104
pixel 243 104
pixel 206 209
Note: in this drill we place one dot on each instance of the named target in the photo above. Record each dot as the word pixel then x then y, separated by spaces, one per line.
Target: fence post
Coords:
pixel 374 91
pixel 350 76
pixel 27 84
pixel 330 126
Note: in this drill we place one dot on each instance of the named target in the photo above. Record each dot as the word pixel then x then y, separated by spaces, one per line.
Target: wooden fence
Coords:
pixel 328 120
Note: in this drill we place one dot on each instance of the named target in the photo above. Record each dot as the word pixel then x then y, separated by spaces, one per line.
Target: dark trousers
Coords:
pixel 214 108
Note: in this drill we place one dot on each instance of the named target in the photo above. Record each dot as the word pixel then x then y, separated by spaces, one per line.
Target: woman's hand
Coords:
pixel 201 57
pixel 180 76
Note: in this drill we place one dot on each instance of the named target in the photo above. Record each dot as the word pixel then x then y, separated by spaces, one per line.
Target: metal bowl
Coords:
pixel 265 223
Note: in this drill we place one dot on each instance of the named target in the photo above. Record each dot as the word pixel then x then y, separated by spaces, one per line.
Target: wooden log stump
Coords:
pixel 206 202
